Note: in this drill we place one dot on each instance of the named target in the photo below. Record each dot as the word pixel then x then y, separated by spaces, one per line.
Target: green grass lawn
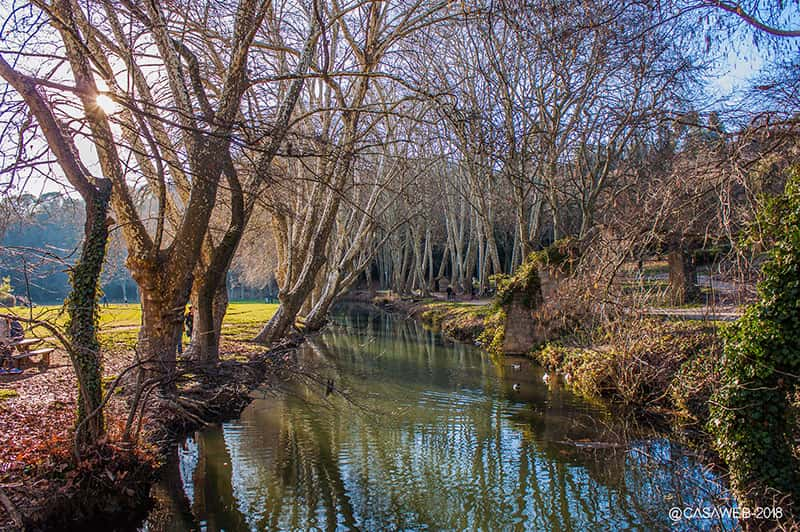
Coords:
pixel 244 320
pixel 119 323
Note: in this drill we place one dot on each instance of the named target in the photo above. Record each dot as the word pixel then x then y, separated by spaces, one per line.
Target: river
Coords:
pixel 422 433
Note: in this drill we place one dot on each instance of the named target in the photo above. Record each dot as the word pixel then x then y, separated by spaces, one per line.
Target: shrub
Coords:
pixel 638 362
pixel 695 382
pixel 752 415
pixel 493 334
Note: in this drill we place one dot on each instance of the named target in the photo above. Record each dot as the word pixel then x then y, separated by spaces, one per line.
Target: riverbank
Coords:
pixel 463 321
pixel 43 486
pixel 649 366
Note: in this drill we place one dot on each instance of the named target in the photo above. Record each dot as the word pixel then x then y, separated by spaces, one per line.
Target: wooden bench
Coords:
pixel 25 356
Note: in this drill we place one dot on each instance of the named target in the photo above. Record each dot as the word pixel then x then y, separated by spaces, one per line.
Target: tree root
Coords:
pixel 183 411
pixel 11 509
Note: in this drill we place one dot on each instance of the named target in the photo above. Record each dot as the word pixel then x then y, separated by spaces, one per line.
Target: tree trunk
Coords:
pixel 281 320
pixel 83 315
pixel 523 240
pixel 368 280
pixel 429 247
pixel 82 309
pixel 491 252
pixel 292 301
pixel 318 316
pixel 210 286
pixel 209 307
pixel 162 324
pixel 533 225
pixel 553 201
pixel 469 268
pixel 682 277
pixel 515 252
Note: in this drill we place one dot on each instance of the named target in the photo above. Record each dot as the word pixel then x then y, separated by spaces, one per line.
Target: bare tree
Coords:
pixel 339 111
pixel 83 347
pixel 209 292
pixel 166 130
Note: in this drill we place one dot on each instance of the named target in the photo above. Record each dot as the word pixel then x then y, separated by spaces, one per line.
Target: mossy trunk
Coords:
pixel 83 311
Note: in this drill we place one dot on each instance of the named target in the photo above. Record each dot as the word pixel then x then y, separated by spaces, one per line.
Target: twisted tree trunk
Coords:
pixel 209 307
pixel 83 311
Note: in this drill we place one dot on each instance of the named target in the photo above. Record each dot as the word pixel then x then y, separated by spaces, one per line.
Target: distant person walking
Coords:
pixel 188 326
pixel 188 322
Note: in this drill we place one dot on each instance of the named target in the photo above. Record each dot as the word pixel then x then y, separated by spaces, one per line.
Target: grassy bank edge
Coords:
pixel 648 366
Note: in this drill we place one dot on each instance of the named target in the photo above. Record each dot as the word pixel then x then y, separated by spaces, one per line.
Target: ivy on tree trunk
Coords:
pixel 83 312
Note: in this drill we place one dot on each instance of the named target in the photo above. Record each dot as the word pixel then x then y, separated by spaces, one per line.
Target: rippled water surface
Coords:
pixel 421 433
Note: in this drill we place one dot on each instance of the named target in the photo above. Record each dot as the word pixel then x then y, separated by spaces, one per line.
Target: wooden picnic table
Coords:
pixel 24 353
pixel 25 344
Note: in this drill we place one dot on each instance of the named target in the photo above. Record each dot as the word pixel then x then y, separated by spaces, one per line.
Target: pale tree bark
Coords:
pixel 366 32
pixel 356 242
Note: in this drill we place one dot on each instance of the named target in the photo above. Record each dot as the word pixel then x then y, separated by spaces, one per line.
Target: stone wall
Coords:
pixel 520 326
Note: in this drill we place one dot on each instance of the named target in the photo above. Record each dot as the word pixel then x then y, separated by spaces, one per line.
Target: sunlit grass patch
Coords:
pixel 241 332
pixel 462 321
pixel 111 316
pixel 119 323
pixel 249 313
pixel 53 314
pixel 124 339
pixel 245 320
pixel 122 315
pixel 8 394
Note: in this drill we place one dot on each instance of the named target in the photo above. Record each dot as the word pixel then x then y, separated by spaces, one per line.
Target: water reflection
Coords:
pixel 425 434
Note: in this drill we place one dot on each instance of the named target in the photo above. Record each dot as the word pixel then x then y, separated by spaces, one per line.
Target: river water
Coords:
pixel 422 433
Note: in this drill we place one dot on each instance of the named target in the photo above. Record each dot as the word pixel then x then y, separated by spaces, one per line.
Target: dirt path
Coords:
pixel 703 313
pixel 718 313
pixel 441 296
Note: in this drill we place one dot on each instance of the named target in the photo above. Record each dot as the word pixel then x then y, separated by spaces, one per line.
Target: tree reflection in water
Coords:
pixel 432 436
